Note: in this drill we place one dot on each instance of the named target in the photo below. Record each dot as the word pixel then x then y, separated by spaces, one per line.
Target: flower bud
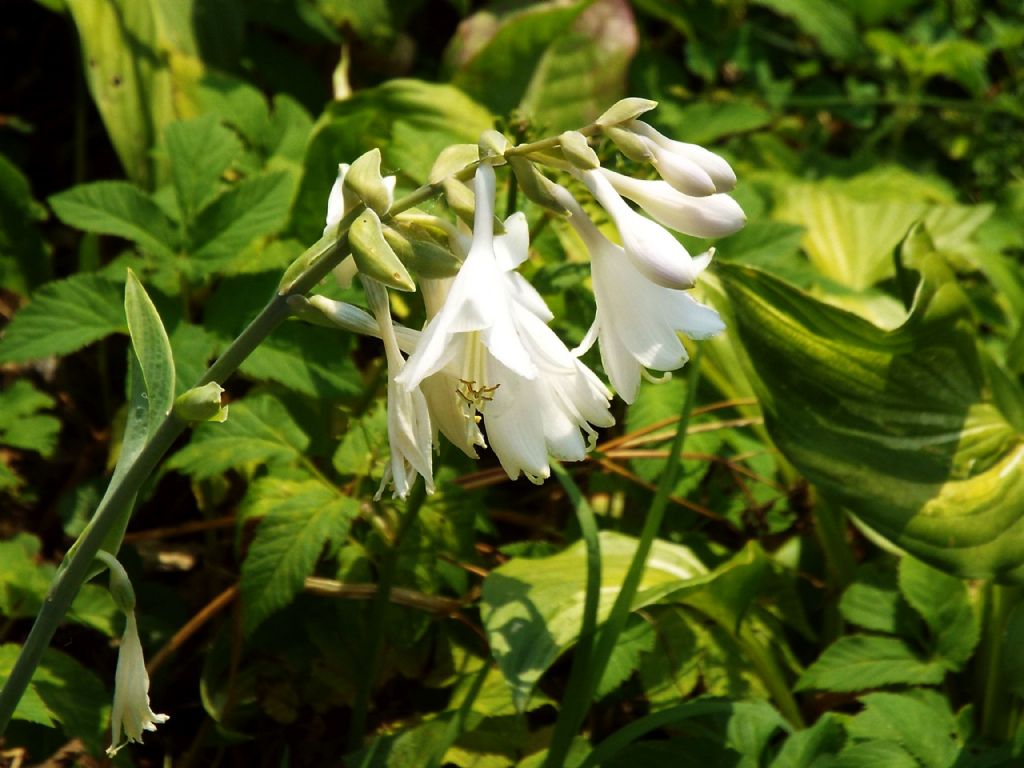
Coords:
pixel 374 256
pixel 577 151
pixel 423 257
pixel 535 185
pixel 625 109
pixel 492 147
pixel 202 404
pixel 453 159
pixel 364 180
pixel 629 144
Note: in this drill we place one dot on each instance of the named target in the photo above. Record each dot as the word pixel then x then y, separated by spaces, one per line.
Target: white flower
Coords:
pixel 637 321
pixel 533 396
pixel 691 166
pixel 131 712
pixel 410 436
pixel 715 215
pixel 653 250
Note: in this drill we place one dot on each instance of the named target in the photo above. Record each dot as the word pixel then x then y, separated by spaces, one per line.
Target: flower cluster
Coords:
pixel 487 368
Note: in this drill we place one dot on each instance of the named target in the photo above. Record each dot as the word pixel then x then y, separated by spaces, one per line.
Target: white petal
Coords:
pixel 514 425
pixel 711 216
pixel 513 248
pixel 681 172
pixel 717 168
pixel 131 711
pixel 525 295
pixel 336 200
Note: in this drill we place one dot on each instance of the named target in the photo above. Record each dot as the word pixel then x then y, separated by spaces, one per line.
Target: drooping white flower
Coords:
pixel 681 158
pixel 715 215
pixel 131 711
pixel 532 395
pixel 637 322
pixel 410 435
pixel 653 250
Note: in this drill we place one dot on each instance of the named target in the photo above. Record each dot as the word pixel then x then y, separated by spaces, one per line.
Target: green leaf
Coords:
pixel 364 445
pixel 24 260
pixel 118 208
pixel 153 350
pixel 706 122
pixel 76 696
pixel 895 425
pixel 299 518
pixel 410 121
pixel 873 601
pixel 308 360
pixel 31 706
pixel 63 316
pixel 21 424
pixel 260 430
pixel 828 23
pixel 199 150
pixel 860 662
pixel 252 208
pixel 871 754
pixel 942 601
pixel 810 747
pixel 636 639
pixel 671 671
pixel 1013 651
pixel 921 723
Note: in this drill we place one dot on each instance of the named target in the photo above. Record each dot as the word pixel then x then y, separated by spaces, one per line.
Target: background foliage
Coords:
pixel 833 585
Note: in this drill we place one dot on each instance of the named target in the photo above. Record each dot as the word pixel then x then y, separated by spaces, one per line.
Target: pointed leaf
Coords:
pixel 199 150
pixel 153 349
pixel 860 662
pixel 942 601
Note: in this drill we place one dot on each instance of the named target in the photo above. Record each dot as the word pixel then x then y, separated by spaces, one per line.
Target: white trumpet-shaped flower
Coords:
pixel 653 250
pixel 715 215
pixel 410 435
pixel 637 322
pixel 691 165
pixel 131 711
pixel 532 395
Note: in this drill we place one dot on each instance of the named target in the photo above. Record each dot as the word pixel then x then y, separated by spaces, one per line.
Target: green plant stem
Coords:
pixel 830 528
pixel 613 627
pixel 997 711
pixel 577 689
pixel 378 612
pixel 767 667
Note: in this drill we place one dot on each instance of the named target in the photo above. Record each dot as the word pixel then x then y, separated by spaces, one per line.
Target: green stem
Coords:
pixel 830 528
pixel 998 713
pixel 378 612
pixel 578 691
pixel 774 680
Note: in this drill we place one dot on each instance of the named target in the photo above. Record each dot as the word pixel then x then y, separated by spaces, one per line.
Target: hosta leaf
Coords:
pixel 895 425
pixel 299 518
pixel 63 316
pixel 118 208
pixel 259 429
pixel 860 662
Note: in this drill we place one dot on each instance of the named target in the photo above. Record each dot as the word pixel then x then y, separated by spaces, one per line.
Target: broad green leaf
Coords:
pixel 410 121
pixel 24 260
pixel 811 747
pixel 118 208
pixel 21 424
pixel 252 208
pixel 860 662
pixel 260 430
pixel 848 240
pixel 828 23
pixel 871 754
pixel 140 60
pixel 31 706
pixel 63 316
pixel 76 696
pixel 920 723
pixel 895 425
pixel 873 601
pixel 299 517
pixel 199 152
pixel 153 350
pixel 942 601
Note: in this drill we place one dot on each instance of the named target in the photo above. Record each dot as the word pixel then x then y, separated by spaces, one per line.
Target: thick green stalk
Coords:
pixel 998 711
pixel 577 689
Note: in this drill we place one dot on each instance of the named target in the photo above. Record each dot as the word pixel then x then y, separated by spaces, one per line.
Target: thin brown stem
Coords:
pixel 193 625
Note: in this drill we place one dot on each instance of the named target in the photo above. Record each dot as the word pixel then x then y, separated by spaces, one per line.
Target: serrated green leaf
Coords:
pixel 636 639
pixel 308 360
pixel 24 260
pixel 251 209
pixel 31 706
pixel 153 350
pixel 63 316
pixel 921 723
pixel 192 348
pixel 118 208
pixel 364 445
pixel 860 662
pixel 895 425
pixel 21 426
pixel 871 754
pixel 873 601
pixel 671 671
pixel 260 430
pixel 943 603
pixel 199 150
pixel 811 747
pixel 299 519
pixel 76 696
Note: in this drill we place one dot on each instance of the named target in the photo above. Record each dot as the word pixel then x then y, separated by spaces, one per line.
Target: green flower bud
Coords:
pixel 374 256
pixel 577 151
pixel 452 160
pixel 535 185
pixel 459 198
pixel 364 180
pixel 492 147
pixel 423 257
pixel 202 404
pixel 631 145
pixel 625 109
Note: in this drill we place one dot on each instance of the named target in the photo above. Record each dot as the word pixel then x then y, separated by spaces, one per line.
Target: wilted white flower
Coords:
pixel 131 711
pixel 637 322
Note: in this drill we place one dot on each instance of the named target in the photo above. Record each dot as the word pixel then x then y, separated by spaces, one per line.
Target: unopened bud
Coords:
pixel 452 160
pixel 632 146
pixel 374 256
pixel 535 185
pixel 364 180
pixel 460 199
pixel 202 404
pixel 422 257
pixel 492 147
pixel 625 109
pixel 577 151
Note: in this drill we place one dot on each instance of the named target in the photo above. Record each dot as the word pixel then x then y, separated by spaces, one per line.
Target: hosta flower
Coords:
pixel 339 203
pixel 131 712
pixel 533 396
pixel 637 322
pixel 690 168
pixel 410 436
pixel 653 250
